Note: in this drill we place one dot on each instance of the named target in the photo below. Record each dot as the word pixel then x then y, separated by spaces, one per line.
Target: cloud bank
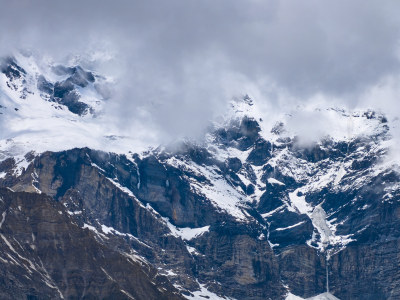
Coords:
pixel 177 63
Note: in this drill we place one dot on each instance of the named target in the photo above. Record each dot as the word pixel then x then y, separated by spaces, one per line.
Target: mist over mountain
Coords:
pixel 177 64
pixel 199 150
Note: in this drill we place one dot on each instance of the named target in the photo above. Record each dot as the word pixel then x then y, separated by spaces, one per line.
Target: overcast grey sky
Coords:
pixel 179 62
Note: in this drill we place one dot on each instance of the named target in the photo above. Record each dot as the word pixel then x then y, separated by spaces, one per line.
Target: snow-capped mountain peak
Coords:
pixel 313 181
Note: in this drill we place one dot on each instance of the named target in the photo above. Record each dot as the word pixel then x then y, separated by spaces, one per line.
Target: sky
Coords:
pixel 178 63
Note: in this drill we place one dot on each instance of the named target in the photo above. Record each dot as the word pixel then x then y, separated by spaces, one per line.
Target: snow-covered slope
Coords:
pixel 324 296
pixel 36 117
pixel 278 160
pixel 49 107
pixel 257 188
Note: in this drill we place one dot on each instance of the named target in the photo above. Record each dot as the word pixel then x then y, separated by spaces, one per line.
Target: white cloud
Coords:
pixel 177 63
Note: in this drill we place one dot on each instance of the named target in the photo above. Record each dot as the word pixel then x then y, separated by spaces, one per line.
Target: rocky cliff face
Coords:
pixel 177 230
pixel 47 255
pixel 246 214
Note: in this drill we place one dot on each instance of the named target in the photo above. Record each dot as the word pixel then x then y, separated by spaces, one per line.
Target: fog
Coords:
pixel 177 64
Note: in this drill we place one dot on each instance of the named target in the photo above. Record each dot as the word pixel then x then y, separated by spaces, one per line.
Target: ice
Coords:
pixel 324 296
pixel 318 217
pixel 110 230
pixel 291 296
pixel 299 202
pixel 92 228
pixel 290 227
pixel 272 212
pixel 97 167
pixel 274 181
pixel 3 218
pixel 170 273
pixel 108 275
pixel 192 250
pixel 204 293
pixel 127 294
pixel 340 175
pixel 133 257
pixel 325 228
pixel 186 233
pixel 8 243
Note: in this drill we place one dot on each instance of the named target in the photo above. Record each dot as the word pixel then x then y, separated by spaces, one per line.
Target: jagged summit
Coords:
pixel 61 86
pixel 39 100
pixel 46 106
pixel 254 211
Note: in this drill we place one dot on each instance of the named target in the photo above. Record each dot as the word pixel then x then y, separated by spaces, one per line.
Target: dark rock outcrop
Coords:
pixel 46 255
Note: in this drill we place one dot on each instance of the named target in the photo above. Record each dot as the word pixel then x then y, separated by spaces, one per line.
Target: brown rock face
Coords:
pixel 367 272
pixel 46 255
pixel 304 268
pixel 144 201
pixel 239 260
pixel 230 257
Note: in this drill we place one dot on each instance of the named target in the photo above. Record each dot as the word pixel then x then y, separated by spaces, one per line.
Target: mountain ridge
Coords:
pixel 251 212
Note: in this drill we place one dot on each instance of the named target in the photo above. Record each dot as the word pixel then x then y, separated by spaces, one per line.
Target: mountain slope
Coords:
pixel 46 255
pixel 251 212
